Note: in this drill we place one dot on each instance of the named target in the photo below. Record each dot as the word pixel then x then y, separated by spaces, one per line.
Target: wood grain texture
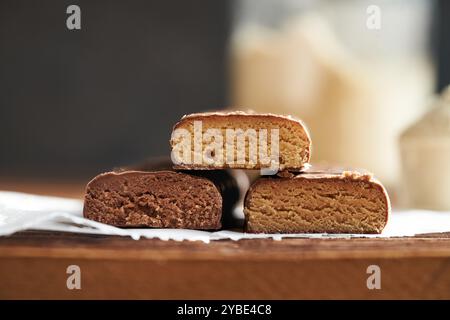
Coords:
pixel 33 266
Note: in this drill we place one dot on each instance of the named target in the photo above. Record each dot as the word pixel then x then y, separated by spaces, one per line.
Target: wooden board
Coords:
pixel 33 266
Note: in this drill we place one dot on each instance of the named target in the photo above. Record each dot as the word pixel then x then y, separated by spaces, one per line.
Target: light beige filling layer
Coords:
pixel 316 206
pixel 293 145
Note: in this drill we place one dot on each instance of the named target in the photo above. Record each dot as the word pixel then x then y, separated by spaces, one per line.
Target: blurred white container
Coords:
pixel 357 89
pixel 425 149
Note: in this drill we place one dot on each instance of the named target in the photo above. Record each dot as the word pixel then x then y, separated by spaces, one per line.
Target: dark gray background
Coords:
pixel 441 42
pixel 73 103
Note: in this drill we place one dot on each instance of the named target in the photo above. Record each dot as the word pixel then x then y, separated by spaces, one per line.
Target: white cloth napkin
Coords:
pixel 20 211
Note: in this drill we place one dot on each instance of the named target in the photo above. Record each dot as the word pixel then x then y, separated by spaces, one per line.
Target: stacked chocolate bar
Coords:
pixel 200 186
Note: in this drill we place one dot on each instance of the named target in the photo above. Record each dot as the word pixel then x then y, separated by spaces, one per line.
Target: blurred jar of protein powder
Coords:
pixel 357 87
pixel 425 151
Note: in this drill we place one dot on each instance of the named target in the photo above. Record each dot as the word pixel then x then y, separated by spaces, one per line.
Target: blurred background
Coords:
pixel 74 103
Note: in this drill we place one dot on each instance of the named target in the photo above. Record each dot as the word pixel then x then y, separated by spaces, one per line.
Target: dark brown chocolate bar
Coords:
pixel 159 199
pixel 152 194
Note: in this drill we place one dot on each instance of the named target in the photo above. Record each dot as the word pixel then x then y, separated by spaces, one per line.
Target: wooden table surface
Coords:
pixel 33 265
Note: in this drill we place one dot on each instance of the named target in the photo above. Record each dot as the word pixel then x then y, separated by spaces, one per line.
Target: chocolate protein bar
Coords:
pixel 330 201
